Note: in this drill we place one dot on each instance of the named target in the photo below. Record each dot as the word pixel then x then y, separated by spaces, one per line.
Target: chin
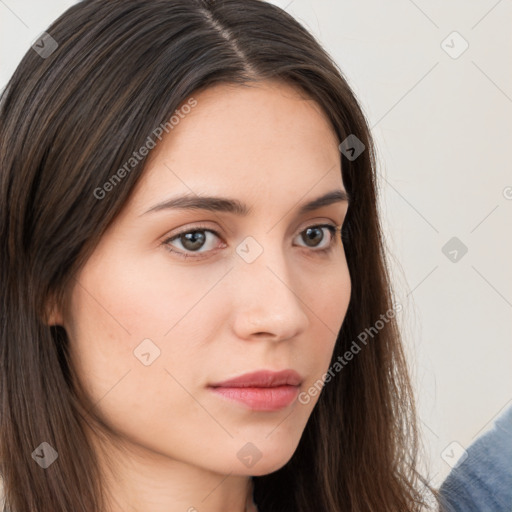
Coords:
pixel 266 469
pixel 272 459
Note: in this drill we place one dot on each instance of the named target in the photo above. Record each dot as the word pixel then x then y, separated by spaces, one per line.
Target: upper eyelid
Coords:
pixel 200 227
pixel 335 230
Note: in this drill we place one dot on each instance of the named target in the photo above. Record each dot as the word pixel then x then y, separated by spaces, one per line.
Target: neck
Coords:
pixel 137 480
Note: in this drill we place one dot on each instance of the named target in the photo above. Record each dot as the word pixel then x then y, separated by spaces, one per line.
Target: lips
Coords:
pixel 262 390
pixel 262 379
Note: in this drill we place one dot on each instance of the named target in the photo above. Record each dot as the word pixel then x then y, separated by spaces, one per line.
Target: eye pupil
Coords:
pixel 312 234
pixel 196 237
pixel 193 240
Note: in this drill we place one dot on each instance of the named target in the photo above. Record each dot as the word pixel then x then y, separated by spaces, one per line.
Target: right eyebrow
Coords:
pixel 229 205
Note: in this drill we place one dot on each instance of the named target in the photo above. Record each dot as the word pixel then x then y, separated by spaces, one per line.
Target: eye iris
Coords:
pixel 194 240
pixel 312 235
pixel 196 237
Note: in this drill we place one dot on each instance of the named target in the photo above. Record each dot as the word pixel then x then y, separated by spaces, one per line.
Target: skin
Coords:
pixel 217 316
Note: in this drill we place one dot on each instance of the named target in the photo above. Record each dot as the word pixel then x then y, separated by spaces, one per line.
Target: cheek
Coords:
pixel 109 349
pixel 139 297
pixel 329 297
pixel 328 302
pixel 127 314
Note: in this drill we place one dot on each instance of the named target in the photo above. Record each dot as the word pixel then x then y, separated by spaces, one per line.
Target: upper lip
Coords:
pixel 262 379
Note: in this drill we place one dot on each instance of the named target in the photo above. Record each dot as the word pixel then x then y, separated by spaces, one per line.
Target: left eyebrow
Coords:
pixel 223 204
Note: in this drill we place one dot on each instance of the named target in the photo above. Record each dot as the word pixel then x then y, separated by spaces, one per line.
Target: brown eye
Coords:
pixel 313 236
pixel 192 240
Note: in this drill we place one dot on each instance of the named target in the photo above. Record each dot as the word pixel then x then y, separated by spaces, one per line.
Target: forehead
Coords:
pixel 263 140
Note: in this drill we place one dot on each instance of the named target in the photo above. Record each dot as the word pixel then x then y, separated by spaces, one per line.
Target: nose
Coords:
pixel 266 298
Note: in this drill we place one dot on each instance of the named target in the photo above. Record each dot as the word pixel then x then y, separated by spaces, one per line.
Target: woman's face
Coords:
pixel 154 319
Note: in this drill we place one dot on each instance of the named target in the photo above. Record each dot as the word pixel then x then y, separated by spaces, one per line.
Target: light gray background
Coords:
pixel 443 128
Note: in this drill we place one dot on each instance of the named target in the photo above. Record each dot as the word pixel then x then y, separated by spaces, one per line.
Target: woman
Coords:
pixel 173 336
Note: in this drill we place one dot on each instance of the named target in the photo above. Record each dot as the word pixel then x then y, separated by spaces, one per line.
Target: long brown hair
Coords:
pixel 70 117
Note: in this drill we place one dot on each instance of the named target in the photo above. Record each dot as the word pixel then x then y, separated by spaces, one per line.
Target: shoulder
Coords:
pixel 483 480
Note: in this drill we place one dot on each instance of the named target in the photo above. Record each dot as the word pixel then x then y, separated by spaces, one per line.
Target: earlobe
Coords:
pixel 53 315
pixel 54 319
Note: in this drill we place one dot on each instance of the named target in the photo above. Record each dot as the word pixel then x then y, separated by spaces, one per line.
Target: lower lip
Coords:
pixel 260 399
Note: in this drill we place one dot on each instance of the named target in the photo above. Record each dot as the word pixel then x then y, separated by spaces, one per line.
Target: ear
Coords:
pixel 53 314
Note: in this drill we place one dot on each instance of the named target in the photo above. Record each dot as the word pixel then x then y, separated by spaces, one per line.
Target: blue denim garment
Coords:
pixel 483 481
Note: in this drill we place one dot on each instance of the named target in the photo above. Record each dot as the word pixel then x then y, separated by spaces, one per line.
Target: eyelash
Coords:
pixel 332 228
